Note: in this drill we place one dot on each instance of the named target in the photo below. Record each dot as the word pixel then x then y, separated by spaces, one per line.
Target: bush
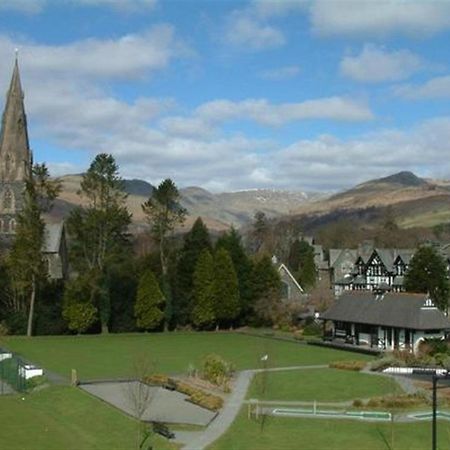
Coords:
pixel 313 329
pixel 34 382
pixel 208 401
pixel 397 401
pixel 383 363
pixel 157 379
pixel 196 396
pixel 216 370
pixel 357 403
pixel 348 365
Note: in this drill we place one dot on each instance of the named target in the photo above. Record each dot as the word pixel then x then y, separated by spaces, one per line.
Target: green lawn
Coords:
pixel 318 434
pixel 326 385
pixel 65 418
pixel 111 356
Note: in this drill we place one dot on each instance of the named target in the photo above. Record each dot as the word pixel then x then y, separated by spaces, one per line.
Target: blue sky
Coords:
pixel 299 95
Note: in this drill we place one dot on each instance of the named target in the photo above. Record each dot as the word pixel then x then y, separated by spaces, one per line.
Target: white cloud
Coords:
pixel 379 18
pixel 36 6
pixel 119 4
pixel 375 64
pixel 265 113
pixel 280 73
pixel 436 88
pixel 129 56
pixel 26 6
pixel 328 162
pixel 274 8
pixel 247 33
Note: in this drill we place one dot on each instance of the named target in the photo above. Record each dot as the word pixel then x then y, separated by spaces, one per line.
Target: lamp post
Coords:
pixel 435 377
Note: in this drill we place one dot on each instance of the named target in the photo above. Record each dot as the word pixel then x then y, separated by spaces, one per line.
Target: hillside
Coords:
pixel 413 200
pixel 219 211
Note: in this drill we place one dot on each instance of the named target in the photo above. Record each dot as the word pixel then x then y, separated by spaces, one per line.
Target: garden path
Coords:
pixel 231 408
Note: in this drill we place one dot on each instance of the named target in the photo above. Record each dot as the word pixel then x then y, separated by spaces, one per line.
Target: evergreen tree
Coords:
pixel 265 278
pixel 231 241
pixel 99 230
pixel 294 257
pixel 164 212
pixel 203 311
pixel 26 264
pixel 259 230
pixel 78 305
pixel 225 288
pixel 195 241
pixel 306 272
pixel 149 305
pixel 427 273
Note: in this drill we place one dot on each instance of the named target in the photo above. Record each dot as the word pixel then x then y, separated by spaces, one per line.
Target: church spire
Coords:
pixel 15 154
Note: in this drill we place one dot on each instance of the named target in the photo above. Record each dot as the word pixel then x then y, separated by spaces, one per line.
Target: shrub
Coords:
pixel 313 329
pixel 216 370
pixel 208 401
pixel 34 382
pixel 357 403
pixel 348 365
pixel 157 379
pixel 397 401
pixel 384 363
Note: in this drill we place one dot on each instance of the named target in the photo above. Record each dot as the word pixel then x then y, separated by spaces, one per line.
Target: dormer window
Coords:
pixel 428 304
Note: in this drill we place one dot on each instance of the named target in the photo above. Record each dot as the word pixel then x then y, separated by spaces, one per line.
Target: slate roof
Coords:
pixel 402 310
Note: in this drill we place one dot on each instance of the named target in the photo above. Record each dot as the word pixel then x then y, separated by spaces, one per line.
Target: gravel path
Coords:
pixel 232 407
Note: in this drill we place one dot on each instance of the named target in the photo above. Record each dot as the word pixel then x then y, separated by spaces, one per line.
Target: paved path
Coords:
pixel 232 407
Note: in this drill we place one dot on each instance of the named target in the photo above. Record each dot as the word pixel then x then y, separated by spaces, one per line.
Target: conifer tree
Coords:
pixel 203 311
pixel 149 305
pixel 195 241
pixel 231 241
pixel 427 273
pixel 306 272
pixel 265 277
pixel 225 288
pixel 26 264
pixel 164 212
pixel 266 286
pixel 99 229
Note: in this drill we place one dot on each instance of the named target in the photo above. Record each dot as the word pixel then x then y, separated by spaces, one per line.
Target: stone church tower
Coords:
pixel 15 156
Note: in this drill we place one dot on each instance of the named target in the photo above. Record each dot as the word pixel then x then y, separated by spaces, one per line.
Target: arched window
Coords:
pixel 12 226
pixel 6 227
pixel 1 225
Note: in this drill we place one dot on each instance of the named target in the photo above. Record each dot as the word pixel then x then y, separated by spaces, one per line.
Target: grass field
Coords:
pixel 319 434
pixel 326 385
pixel 113 356
pixel 65 418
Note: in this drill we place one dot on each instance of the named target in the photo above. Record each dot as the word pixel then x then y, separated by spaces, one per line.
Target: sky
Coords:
pixel 315 95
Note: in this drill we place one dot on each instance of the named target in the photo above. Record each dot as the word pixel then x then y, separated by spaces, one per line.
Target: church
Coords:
pixel 16 160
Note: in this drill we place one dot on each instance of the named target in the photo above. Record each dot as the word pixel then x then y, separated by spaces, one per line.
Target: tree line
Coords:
pixel 182 281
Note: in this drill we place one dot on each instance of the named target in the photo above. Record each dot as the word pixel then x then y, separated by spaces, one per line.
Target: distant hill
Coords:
pixel 219 211
pixel 414 201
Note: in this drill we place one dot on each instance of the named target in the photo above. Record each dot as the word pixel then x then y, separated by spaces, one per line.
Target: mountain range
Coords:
pixel 414 201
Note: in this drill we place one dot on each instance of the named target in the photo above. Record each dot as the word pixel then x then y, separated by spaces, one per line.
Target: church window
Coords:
pixel 12 226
